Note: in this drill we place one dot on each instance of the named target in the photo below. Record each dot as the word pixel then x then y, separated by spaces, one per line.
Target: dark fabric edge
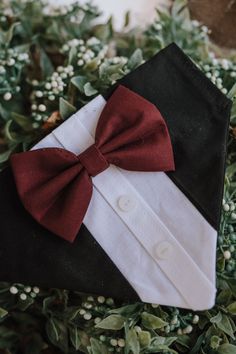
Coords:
pixel 210 92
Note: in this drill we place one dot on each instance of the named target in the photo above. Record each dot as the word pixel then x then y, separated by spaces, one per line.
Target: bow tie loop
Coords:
pixel 93 161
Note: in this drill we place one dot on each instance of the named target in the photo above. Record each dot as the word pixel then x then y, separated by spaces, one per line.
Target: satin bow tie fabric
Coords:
pixel 55 186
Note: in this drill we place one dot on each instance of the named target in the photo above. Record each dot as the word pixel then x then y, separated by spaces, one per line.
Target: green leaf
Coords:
pixel 232 282
pixel 92 65
pixel 127 310
pixel 72 312
pixel 187 340
pixel 57 333
pixel 106 71
pixel 89 90
pixel 66 109
pixel 52 330
pixel 161 344
pixel 72 55
pixel 127 19
pixel 3 312
pixel 144 338
pixel 112 322
pixel 232 92
pixel 103 31
pixel 224 296
pixel 45 64
pixel 22 121
pixel 231 169
pixel 226 326
pixel 75 337
pixel 215 342
pixel 232 308
pixel 10 134
pixel 4 156
pixel 97 347
pixel 47 301
pixel 169 340
pixel 135 59
pixel 132 342
pixel 152 322
pixel 226 349
pixel 10 32
pixel 79 82
pixel 4 113
pixel 217 318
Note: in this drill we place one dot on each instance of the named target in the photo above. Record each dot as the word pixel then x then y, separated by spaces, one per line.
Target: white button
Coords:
pixel 126 203
pixel 163 250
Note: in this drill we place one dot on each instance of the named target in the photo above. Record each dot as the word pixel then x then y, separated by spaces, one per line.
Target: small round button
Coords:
pixel 126 203
pixel 163 250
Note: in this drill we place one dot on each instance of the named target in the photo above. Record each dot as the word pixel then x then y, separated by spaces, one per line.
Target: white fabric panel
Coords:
pixel 184 275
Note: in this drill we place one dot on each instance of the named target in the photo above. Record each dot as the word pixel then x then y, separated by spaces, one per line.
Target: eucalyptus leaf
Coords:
pixel 92 65
pixel 185 341
pixel 144 338
pixel 3 312
pixel 132 341
pixel 79 82
pixel 45 64
pixel 10 134
pixel 127 310
pixel 217 318
pixel 65 108
pixel 57 333
pixel 135 59
pixel 232 284
pixel 4 156
pixel 103 31
pixel 152 322
pixel 72 55
pixel 232 92
pixel 106 70
pixel 8 35
pixel 215 342
pixel 232 308
pixel 89 90
pixel 226 349
pixel 75 337
pixel 47 301
pixel 23 121
pixel 112 322
pixel 225 325
pixel 97 347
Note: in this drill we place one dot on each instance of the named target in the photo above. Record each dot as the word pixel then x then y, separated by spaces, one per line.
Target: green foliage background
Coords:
pixel 53 61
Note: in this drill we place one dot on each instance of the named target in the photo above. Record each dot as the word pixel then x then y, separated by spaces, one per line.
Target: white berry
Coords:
pixel 7 96
pixel 227 254
pixel 13 290
pixel 23 296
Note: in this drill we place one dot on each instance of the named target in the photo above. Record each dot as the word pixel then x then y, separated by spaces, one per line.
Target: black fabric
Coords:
pixel 197 115
pixel 31 255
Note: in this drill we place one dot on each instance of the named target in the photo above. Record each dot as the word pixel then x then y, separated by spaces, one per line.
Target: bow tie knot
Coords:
pixel 93 161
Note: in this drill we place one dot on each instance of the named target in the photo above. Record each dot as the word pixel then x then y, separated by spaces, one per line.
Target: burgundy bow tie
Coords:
pixel 55 185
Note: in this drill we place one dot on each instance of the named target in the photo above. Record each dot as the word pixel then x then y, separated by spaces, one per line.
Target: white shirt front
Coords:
pixel 151 231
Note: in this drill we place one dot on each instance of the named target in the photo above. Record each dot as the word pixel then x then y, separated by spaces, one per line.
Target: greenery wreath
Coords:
pixel 52 61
